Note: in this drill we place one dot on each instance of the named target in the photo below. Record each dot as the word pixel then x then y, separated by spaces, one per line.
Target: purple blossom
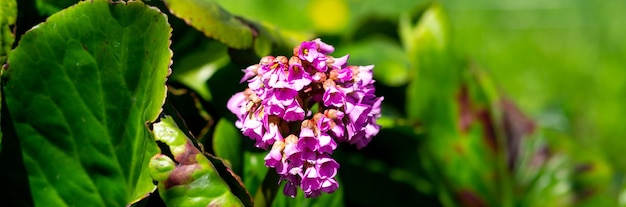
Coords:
pixel 326 143
pixel 339 63
pixel 327 166
pixel 311 183
pixel 344 75
pixel 274 73
pixel 308 144
pixel 364 75
pixel 314 52
pixel 323 47
pixel 277 110
pixel 237 104
pixel 250 72
pixel 329 185
pixel 333 96
pixel 272 133
pixel 252 126
pixel 292 185
pixel 337 126
pixel 297 77
pixel 275 156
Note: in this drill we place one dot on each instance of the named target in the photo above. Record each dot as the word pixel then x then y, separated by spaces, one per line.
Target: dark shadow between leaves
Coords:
pixel 14 186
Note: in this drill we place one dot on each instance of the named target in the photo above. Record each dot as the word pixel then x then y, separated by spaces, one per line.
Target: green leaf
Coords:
pixel 227 144
pixel 195 68
pixel 254 170
pixel 392 65
pixel 80 89
pixel 8 15
pixel 543 175
pixel 49 7
pixel 190 180
pixel 435 79
pixel 213 21
pixel 293 14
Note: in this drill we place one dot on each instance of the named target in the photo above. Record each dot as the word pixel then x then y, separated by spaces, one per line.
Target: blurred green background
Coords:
pixel 563 62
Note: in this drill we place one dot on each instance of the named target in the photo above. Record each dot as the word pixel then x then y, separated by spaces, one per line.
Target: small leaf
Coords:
pixel 227 144
pixel 190 179
pixel 80 89
pixel 213 21
pixel 262 45
pixel 49 7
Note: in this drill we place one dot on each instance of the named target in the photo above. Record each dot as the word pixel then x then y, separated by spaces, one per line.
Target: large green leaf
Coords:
pixel 213 21
pixel 190 180
pixel 8 15
pixel 80 89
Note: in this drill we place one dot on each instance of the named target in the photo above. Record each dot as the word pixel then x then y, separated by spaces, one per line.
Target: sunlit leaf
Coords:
pixel 213 21
pixel 80 89
pixel 293 14
pixel 190 179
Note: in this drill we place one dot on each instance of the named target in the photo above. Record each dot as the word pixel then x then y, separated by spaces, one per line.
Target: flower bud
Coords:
pixel 282 60
pixel 266 60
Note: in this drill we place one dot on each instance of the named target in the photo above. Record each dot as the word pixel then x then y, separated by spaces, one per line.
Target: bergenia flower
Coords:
pixel 276 110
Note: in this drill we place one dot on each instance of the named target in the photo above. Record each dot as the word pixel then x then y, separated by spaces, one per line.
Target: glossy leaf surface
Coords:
pixel 80 89
pixel 190 179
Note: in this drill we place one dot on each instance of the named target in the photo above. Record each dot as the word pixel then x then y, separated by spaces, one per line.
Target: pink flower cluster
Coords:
pixel 302 106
